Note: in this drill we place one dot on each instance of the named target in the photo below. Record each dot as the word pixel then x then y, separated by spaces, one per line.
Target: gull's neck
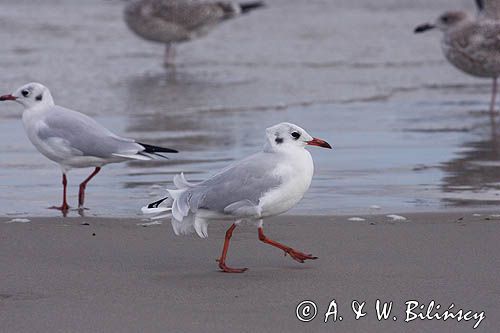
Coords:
pixel 291 150
pixel 46 103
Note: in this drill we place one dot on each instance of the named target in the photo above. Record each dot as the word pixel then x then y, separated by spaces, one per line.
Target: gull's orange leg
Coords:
pixel 64 207
pixel 222 259
pixel 83 185
pixel 296 255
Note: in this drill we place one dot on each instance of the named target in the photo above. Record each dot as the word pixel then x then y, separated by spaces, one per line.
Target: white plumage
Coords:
pixel 264 184
pixel 72 139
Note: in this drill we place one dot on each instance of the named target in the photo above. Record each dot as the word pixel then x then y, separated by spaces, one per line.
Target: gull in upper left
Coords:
pixel 176 21
pixel 72 139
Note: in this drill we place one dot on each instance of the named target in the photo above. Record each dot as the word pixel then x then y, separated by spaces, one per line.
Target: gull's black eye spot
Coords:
pixel 444 19
pixel 25 93
pixel 278 140
pixel 39 97
pixel 296 135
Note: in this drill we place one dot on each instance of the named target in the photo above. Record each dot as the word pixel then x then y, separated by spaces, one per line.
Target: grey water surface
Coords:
pixel 410 132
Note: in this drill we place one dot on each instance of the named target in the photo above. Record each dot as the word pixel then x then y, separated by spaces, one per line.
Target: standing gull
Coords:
pixel 472 44
pixel 264 184
pixel 72 139
pixel 176 21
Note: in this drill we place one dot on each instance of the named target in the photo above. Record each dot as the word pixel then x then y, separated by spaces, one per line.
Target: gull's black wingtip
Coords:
pixel 155 149
pixel 249 6
pixel 157 203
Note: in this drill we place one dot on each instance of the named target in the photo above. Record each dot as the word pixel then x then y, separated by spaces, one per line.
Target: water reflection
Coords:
pixel 474 175
pixel 183 112
pixel 396 115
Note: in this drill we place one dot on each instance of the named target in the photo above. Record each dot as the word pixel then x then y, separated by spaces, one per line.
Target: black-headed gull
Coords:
pixel 72 139
pixel 175 21
pixel 264 184
pixel 472 44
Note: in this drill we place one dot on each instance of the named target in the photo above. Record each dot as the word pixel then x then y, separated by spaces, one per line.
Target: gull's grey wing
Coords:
pixel 475 48
pixel 237 189
pixel 191 15
pixel 81 135
pixel 482 36
pixel 489 9
pixel 243 208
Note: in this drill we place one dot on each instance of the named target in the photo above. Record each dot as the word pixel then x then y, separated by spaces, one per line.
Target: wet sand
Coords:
pixel 62 275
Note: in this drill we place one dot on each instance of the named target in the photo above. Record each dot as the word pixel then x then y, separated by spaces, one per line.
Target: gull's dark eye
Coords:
pixel 444 19
pixel 296 135
pixel 25 93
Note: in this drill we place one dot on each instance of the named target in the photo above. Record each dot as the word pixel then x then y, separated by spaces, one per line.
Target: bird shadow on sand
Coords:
pixel 21 296
pixel 254 272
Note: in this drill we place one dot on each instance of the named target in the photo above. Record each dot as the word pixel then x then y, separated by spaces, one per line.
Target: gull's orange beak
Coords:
pixel 7 98
pixel 319 143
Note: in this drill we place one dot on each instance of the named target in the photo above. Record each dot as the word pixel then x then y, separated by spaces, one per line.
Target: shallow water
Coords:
pixel 410 133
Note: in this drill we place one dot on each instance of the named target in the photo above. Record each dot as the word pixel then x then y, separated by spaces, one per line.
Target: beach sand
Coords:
pixel 113 275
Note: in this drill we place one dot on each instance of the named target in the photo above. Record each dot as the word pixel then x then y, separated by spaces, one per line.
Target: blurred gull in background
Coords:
pixel 175 21
pixel 472 44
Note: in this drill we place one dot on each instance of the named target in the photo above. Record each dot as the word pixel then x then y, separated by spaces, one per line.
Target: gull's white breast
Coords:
pixel 296 171
pixel 33 121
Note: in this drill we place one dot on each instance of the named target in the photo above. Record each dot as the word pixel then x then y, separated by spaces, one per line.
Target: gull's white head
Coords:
pixel 286 136
pixel 445 22
pixel 30 95
pixel 451 19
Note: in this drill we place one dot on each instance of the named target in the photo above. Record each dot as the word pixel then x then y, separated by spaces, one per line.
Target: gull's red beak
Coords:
pixel 319 143
pixel 7 98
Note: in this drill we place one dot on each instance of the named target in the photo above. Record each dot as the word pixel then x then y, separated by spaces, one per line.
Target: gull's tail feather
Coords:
pixel 189 225
pixel 178 206
pixel 181 182
pixel 139 157
pixel 184 227
pixel 155 209
pixel 201 227
pixel 249 6
pixel 184 207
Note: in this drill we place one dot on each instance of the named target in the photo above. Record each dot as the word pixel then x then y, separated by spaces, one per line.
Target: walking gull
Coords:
pixel 175 21
pixel 72 139
pixel 472 44
pixel 264 184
